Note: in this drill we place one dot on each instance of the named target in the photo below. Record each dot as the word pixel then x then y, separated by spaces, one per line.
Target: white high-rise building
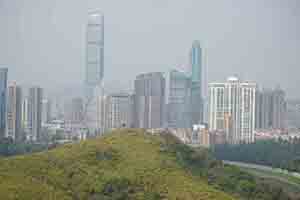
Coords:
pixel 232 108
pixel 14 110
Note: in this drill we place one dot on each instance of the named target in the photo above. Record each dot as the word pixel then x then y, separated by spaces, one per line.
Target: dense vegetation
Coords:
pixel 123 165
pixel 278 154
pixel 130 164
pixel 9 148
pixel 229 178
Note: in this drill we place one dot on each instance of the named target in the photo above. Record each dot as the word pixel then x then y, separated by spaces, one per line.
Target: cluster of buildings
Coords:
pixel 21 114
pixel 237 111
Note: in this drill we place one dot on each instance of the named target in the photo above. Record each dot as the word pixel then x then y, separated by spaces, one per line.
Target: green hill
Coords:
pixel 131 164
pixel 127 164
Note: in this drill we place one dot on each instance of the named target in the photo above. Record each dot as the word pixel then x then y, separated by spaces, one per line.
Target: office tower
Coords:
pixel 196 106
pixel 118 111
pixel 3 86
pixel 35 113
pixel 94 52
pixel 149 100
pixel 232 109
pixel 46 111
pixel 179 100
pixel 94 71
pixel 263 109
pixel 14 113
pixel 279 109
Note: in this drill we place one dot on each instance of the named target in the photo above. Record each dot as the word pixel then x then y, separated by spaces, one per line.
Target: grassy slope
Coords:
pixel 83 171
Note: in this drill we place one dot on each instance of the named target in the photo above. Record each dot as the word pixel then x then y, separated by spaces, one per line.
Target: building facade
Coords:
pixel 3 97
pixel 14 113
pixel 46 114
pixel 232 109
pixel 179 100
pixel 271 109
pixel 118 111
pixel 149 100
pixel 196 105
pixel 35 113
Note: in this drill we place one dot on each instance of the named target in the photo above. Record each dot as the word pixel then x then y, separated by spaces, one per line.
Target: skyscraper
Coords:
pixel 263 109
pixel 46 114
pixel 279 109
pixel 149 100
pixel 196 109
pixel 94 72
pixel 25 115
pixel 179 100
pixel 232 109
pixel 94 51
pixel 3 86
pixel 35 113
pixel 14 113
pixel 271 109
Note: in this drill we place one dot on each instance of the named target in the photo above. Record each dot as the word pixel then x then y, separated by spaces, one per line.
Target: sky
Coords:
pixel 43 42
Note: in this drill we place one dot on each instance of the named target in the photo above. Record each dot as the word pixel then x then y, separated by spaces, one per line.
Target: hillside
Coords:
pixel 127 164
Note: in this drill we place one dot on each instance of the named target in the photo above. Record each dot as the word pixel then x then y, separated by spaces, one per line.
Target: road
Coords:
pixel 269 172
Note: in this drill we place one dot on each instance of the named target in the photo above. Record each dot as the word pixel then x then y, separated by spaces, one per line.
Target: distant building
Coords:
pixel 179 100
pixel 196 105
pixel 35 113
pixel 271 109
pixel 14 113
pixel 149 100
pixel 94 73
pixel 118 111
pixel 232 109
pixel 94 51
pixel 25 115
pixel 279 109
pixel 3 96
pixel 201 136
pixel 46 111
pixel 293 114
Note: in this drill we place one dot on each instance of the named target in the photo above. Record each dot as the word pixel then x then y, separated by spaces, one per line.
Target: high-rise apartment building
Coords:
pixel 271 109
pixel 179 100
pixel 196 106
pixel 14 113
pixel 149 100
pixel 118 111
pixel 232 109
pixel 279 109
pixel 3 96
pixel 35 113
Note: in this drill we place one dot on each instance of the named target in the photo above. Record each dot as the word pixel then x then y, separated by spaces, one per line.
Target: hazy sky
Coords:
pixel 43 42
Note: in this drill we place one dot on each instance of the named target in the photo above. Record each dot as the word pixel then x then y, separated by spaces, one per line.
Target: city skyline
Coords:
pixel 230 43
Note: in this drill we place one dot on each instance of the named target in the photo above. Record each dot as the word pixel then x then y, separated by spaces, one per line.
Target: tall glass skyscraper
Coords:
pixel 94 72
pixel 196 109
pixel 3 94
pixel 94 51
